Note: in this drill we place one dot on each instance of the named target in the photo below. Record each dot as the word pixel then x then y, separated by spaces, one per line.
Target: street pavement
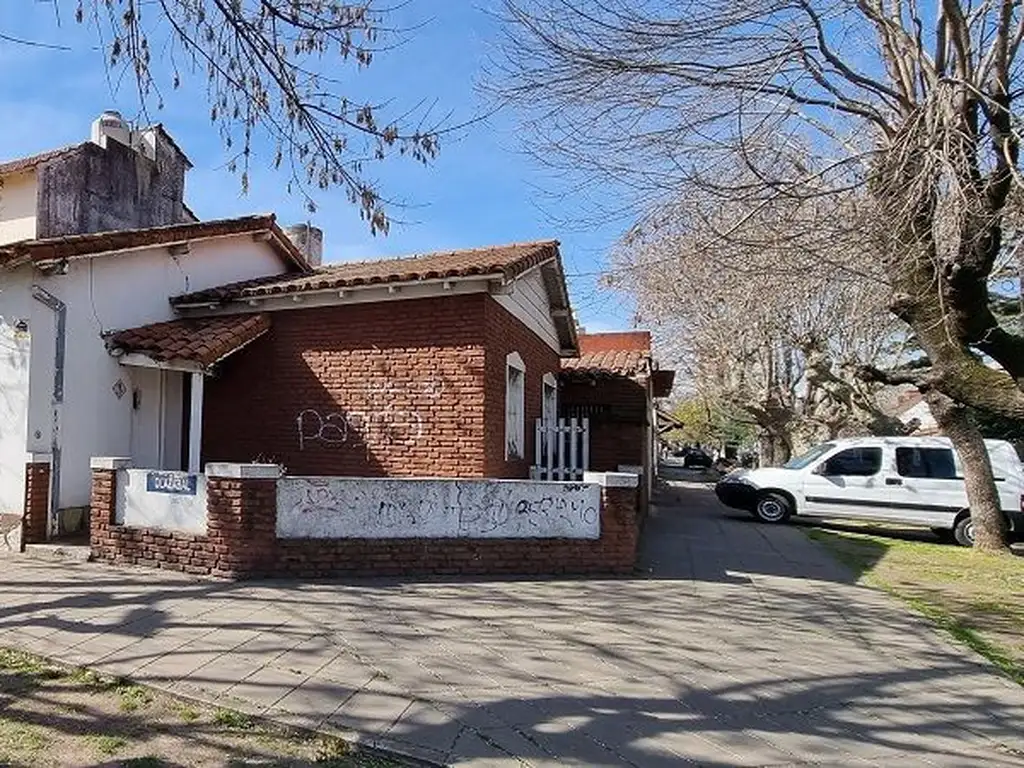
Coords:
pixel 736 644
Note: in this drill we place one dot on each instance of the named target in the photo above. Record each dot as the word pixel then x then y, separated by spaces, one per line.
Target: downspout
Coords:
pixel 60 312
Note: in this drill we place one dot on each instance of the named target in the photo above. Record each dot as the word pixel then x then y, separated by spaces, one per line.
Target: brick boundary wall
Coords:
pixel 241 542
pixel 37 503
pixel 613 553
pixel 240 520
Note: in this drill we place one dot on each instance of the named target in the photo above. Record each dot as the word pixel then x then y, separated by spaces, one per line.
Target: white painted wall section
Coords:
pixel 112 293
pixel 170 501
pixel 365 508
pixel 529 302
pixel 15 357
pixel 18 207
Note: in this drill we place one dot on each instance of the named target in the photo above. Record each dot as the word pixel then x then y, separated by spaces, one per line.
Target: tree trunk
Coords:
pixel 990 529
pixel 776 449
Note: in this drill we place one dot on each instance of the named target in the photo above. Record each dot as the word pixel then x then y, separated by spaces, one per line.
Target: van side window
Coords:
pixel 935 463
pixel 854 462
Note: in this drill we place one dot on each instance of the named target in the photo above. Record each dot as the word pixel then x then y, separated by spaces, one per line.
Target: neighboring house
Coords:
pixel 119 179
pixel 614 382
pixel 96 237
pixel 174 342
pixel 908 405
pixel 65 397
pixel 921 414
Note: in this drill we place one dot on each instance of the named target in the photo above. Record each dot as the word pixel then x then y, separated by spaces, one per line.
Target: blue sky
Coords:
pixel 481 190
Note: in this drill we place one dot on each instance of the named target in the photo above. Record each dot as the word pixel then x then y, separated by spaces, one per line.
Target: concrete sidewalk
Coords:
pixel 741 645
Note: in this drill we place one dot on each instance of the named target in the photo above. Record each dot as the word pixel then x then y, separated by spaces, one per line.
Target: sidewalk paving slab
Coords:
pixel 735 644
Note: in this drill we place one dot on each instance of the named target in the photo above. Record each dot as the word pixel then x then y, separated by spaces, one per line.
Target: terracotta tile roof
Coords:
pixel 621 362
pixel 625 353
pixel 56 249
pixel 505 260
pixel 202 340
pixel 27 163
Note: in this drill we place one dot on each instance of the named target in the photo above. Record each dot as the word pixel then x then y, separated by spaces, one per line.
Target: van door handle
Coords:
pixel 893 481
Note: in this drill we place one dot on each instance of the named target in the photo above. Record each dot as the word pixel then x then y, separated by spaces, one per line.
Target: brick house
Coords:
pixel 129 329
pixel 614 382
pixel 430 365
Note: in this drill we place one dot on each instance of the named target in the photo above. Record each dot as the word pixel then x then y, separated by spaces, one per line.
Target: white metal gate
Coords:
pixel 562 449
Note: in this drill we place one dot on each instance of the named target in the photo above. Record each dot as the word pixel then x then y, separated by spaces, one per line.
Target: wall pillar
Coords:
pixel 103 505
pixel 241 517
pixel 37 500
pixel 620 518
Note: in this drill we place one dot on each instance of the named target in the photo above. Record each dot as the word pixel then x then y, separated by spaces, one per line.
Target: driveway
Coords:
pixel 736 644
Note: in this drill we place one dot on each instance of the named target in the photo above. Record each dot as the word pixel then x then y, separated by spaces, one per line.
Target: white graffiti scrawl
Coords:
pixel 380 422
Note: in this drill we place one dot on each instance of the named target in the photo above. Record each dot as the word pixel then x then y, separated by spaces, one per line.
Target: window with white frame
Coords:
pixel 515 406
pixel 549 399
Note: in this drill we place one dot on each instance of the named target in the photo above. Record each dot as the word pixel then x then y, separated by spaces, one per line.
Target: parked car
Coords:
pixel 908 480
pixel 694 458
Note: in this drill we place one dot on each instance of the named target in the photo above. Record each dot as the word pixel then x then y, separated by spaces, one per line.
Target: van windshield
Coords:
pixel 807 458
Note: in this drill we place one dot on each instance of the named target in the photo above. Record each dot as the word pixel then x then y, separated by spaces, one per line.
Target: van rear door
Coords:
pixel 928 486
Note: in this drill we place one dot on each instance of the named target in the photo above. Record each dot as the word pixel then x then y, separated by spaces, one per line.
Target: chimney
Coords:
pixel 309 240
pixel 110 125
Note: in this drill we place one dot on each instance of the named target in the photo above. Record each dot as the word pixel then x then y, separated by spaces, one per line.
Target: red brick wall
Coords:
pixel 405 388
pixel 387 389
pixel 505 334
pixel 607 342
pixel 617 409
pixel 240 538
pixel 37 503
pixel 241 542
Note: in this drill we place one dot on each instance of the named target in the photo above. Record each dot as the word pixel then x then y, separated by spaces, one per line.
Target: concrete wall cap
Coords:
pixel 612 479
pixel 110 462
pixel 244 471
pixel 40 458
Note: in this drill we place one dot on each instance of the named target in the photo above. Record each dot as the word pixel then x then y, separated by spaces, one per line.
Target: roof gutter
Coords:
pixel 56 261
pixel 340 290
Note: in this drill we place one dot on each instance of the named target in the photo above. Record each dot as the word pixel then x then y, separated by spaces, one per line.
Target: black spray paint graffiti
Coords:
pixel 539 515
pixel 361 509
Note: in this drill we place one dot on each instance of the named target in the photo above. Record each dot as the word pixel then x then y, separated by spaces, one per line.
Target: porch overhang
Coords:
pixel 193 346
pixel 189 345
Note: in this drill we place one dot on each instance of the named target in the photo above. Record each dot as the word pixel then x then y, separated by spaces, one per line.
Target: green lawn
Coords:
pixel 976 597
pixel 53 716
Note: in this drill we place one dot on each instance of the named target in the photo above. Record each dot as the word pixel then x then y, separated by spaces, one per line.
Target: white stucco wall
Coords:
pixel 112 293
pixel 170 506
pixel 18 207
pixel 331 507
pixel 15 354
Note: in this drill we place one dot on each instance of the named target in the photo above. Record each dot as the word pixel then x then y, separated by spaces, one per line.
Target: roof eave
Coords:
pixel 246 296
pixel 560 306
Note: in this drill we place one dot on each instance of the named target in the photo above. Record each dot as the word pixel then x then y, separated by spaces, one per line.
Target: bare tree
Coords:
pixel 915 104
pixel 761 319
pixel 277 68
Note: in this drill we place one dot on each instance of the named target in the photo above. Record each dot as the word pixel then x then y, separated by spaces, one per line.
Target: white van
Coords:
pixel 906 480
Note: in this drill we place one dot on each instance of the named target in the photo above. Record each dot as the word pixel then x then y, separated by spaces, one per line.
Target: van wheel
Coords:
pixel 772 508
pixel 963 531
